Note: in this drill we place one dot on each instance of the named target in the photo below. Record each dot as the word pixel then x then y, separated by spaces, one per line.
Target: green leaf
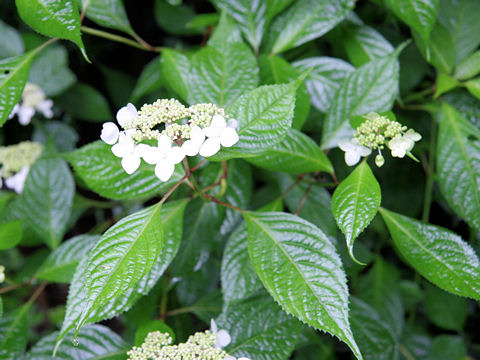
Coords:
pixel 54 18
pixel 150 80
pixel 372 87
pixel 10 234
pixel 438 254
pixel 11 43
pixel 301 269
pixel 355 203
pixel 445 83
pixel 306 20
pixel 93 342
pixel 458 151
pixel 49 70
pixel 239 280
pixel 13 77
pixel 103 173
pixel 60 264
pixel 275 70
pixel 74 100
pixel 121 258
pixel 48 198
pixel 420 15
pixel 172 221
pixel 274 7
pixel 324 79
pixel 264 118
pixel 473 87
pixel 297 153
pixel 176 68
pixel 377 339
pixel 260 329
pixel 175 18
pixel 469 67
pixel 108 13
pixel 445 310
pixel 448 347
pixel 13 333
pixel 225 33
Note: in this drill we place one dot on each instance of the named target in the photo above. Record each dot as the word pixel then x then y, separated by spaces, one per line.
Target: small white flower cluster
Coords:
pixel 200 129
pixel 373 134
pixel 33 99
pixel 15 161
pixel 202 345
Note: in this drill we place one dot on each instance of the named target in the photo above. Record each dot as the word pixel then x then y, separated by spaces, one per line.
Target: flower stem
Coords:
pixel 215 200
pixel 142 45
pixel 304 198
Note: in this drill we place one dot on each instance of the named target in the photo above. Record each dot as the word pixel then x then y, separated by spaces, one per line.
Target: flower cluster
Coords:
pixel 33 99
pixel 202 345
pixel 373 134
pixel 15 161
pixel 179 131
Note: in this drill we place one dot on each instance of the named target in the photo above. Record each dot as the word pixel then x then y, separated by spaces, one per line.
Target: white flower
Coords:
pixel 2 273
pixel 411 136
pixel 223 337
pixel 17 181
pixel 400 145
pixel 164 157
pixel 126 114
pixel 110 133
pixel 192 146
pixel 353 151
pixel 33 98
pixel 218 133
pixel 126 149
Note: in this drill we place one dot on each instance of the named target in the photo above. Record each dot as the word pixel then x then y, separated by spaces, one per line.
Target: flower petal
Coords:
pixel 164 143
pixel 130 163
pixel 164 170
pixel 232 123
pixel 25 114
pixel 346 145
pixel 190 147
pixel 218 121
pixel 351 158
pixel 14 111
pixel 197 135
pixel 223 338
pixel 212 131
pixel 176 155
pixel 210 147
pixel 110 133
pixel 45 107
pixel 126 114
pixel 363 150
pixel 151 154
pixel 228 137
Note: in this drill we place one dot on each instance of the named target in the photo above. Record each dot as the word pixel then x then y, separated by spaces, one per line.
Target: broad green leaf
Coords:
pixel 54 18
pixel 250 17
pixel 420 15
pixel 445 83
pixel 377 339
pixel 13 76
pixel 325 77
pixel 448 347
pixel 260 329
pixel 225 33
pixel 61 263
pixel 469 67
pixel 445 310
pixel 458 166
pixel 264 118
pixel 10 234
pixel 460 17
pixel 93 342
pixel 372 87
pixel 297 153
pixel 172 221
pixel 274 7
pixel 466 104
pixel 48 198
pixel 13 333
pixel 121 258
pixel 239 280
pixel 474 87
pixel 174 17
pixel 11 43
pixel 364 43
pixel 275 70
pixel 103 173
pixel 306 20
pixel 209 306
pixel 301 269
pixel 50 71
pixel 73 101
pixel 176 68
pixel 438 254
pixel 108 13
pixel 355 203
pixel 63 136
pixel 150 80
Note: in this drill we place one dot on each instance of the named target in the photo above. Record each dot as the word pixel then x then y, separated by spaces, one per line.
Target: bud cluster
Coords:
pixel 33 99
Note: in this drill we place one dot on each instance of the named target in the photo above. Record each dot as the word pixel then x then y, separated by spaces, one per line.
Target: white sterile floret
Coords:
pixel 126 149
pixel 164 157
pixel 411 136
pixel 192 146
pixel 400 145
pixel 218 133
pixel 17 181
pixel 353 151
pixel 223 337
pixel 126 114
pixel 110 133
pixel 33 98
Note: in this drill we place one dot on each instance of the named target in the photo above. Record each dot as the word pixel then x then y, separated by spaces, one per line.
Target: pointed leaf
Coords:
pixel 301 269
pixel 473 86
pixel 469 67
pixel 13 333
pixel 355 203
pixel 150 80
pixel 176 68
pixel 438 254
pixel 108 13
pixel 10 234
